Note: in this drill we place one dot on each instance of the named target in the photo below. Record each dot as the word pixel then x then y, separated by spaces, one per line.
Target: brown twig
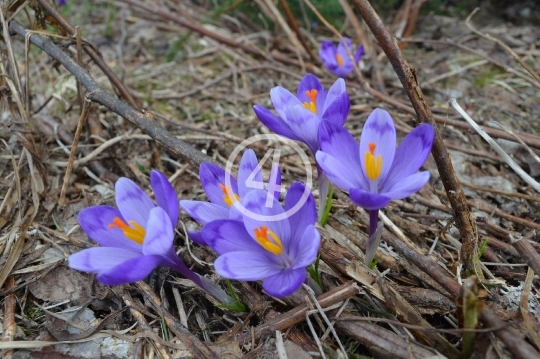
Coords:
pixel 10 327
pixel 356 24
pixel 95 93
pixel 527 252
pixel 298 314
pixel 292 22
pixel 407 76
pixel 501 44
pixel 80 125
pixel 117 83
pixel 198 348
pixel 205 32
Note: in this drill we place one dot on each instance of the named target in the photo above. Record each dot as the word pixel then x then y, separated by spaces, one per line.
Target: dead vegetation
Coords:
pixel 102 90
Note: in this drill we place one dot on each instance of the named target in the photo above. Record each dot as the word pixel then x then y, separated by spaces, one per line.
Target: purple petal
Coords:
pixel 410 155
pixel 204 212
pixel 311 82
pixel 212 176
pixel 408 185
pixel 338 111
pixel 165 195
pixel 303 213
pixel 197 237
pixel 249 173
pixel 133 203
pixel 340 158
pixel 281 99
pixel 95 222
pixel 159 234
pixel 305 124
pixel 274 123
pixel 359 53
pixel 284 283
pixel 130 271
pixel 334 92
pixel 368 200
pixel 94 260
pixel 379 129
pixel 342 50
pixel 262 210
pixel 229 236
pixel 305 248
pixel 247 265
pixel 328 54
pixel 274 181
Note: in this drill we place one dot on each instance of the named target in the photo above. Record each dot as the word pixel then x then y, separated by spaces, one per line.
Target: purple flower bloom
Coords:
pixel 337 60
pixel 222 198
pixel 300 116
pixel 135 238
pixel 276 251
pixel 61 2
pixel 375 172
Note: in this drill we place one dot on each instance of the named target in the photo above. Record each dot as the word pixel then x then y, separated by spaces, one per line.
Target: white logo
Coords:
pixel 272 186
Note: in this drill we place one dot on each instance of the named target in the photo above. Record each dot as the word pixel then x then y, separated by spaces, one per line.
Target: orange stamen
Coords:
pixel 339 60
pixel 135 232
pixel 268 240
pixel 228 196
pixel 372 147
pixel 373 165
pixel 312 105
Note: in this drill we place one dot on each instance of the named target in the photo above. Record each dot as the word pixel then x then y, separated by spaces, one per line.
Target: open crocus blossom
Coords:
pixel 266 244
pixel 337 60
pixel 136 237
pixel 300 115
pixel 375 172
pixel 223 194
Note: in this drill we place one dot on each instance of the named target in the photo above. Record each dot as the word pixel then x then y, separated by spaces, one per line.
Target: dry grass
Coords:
pixel 202 91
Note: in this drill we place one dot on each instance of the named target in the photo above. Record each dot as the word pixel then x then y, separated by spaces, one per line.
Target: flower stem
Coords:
pixel 375 234
pixel 324 186
pixel 203 282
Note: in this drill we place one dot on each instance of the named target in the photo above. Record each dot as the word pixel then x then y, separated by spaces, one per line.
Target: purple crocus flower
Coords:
pixel 61 2
pixel 276 250
pixel 337 60
pixel 300 115
pixel 375 172
pixel 136 237
pixel 223 197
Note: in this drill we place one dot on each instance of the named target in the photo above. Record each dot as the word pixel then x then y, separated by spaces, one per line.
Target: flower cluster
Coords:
pixel 255 236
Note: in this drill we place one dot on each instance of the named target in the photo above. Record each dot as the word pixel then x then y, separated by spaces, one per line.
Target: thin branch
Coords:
pixel 95 93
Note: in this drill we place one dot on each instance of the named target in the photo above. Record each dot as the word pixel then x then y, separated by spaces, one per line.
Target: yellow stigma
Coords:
pixel 373 166
pixel 228 196
pixel 312 105
pixel 339 60
pixel 136 232
pixel 268 240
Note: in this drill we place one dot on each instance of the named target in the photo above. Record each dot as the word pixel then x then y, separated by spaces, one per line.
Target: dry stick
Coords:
pixel 152 9
pixel 407 76
pixel 527 252
pixel 290 34
pixel 117 83
pixel 82 120
pixel 10 327
pixel 95 93
pixel 356 24
pixel 292 22
pixel 501 44
pixel 197 348
pixel 298 314
pixel 524 307
pixel 520 172
pixel 480 54
pixel 428 264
